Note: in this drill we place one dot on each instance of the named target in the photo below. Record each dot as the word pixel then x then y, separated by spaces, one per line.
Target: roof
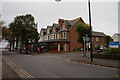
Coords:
pixel 57 26
pixel 101 34
pixel 117 34
pixel 54 40
pixel 44 29
pixel 71 23
pixel 49 27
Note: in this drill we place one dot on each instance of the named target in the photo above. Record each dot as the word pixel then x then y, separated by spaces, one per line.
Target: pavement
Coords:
pixel 7 72
pixel 97 61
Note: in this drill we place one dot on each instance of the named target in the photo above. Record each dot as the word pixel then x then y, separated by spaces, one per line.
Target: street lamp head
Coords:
pixel 58 0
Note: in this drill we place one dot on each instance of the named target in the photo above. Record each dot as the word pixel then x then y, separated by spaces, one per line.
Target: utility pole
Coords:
pixel 91 54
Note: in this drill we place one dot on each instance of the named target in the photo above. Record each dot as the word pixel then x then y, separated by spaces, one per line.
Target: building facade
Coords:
pixel 63 37
pixel 116 38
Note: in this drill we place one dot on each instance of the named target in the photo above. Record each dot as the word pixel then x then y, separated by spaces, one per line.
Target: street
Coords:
pixel 58 66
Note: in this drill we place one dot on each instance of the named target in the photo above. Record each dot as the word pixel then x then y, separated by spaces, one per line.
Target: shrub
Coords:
pixel 78 49
pixel 106 49
pixel 73 49
pixel 104 52
pixel 114 51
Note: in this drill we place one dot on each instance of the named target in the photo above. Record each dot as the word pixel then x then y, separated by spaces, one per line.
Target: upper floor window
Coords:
pixel 63 26
pixel 96 45
pixel 48 30
pixel 58 36
pixel 96 38
pixel 48 37
pixel 92 38
pixel 41 32
pixel 61 35
pixel 53 29
pixel 64 35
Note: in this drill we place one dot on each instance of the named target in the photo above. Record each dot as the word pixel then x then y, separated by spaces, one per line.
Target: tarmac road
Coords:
pixel 58 66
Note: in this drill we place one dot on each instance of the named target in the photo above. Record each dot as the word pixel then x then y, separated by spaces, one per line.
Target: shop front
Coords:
pixel 55 45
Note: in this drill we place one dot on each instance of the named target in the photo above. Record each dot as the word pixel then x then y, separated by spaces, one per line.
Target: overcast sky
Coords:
pixel 104 14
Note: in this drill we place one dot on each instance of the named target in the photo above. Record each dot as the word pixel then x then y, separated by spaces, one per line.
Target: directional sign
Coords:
pixel 86 38
pixel 114 44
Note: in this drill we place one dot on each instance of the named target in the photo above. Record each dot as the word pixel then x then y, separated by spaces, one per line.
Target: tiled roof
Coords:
pixel 57 26
pixel 117 34
pixel 44 29
pixel 101 34
pixel 50 27
pixel 71 23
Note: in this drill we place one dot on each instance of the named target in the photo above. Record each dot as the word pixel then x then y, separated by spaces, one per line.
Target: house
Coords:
pixel 42 34
pixel 116 38
pixel 98 39
pixel 63 37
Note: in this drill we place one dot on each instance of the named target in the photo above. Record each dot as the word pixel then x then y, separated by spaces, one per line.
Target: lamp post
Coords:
pixel 91 54
pixel 36 40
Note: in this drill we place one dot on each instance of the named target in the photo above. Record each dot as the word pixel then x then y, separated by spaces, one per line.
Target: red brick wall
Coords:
pixel 73 38
pixel 101 41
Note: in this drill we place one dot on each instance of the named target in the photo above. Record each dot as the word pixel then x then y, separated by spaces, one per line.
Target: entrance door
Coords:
pixel 61 47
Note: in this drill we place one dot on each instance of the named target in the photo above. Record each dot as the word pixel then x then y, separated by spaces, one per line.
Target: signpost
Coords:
pixel 85 40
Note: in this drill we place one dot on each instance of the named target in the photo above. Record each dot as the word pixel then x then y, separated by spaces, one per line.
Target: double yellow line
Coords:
pixel 21 70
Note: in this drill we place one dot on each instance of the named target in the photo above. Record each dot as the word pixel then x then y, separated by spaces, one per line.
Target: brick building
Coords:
pixel 63 37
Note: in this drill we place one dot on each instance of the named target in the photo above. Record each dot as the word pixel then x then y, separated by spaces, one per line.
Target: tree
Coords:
pixel 7 35
pixel 1 25
pixel 13 34
pixel 82 29
pixel 107 40
pixel 24 28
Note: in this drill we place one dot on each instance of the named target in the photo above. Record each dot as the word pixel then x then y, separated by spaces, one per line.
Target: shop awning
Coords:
pixel 54 41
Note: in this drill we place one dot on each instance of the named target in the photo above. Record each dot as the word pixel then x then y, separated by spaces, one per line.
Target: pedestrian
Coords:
pixel 41 50
pixel 38 50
